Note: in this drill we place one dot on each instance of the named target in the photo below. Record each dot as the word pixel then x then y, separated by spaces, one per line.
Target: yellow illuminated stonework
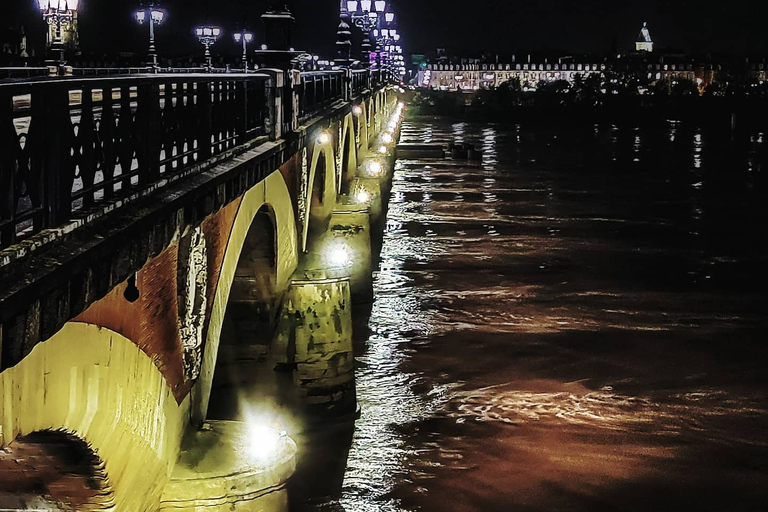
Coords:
pixel 272 192
pixel 99 386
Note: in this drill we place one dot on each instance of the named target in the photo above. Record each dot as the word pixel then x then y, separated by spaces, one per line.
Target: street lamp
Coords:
pixel 155 15
pixel 58 14
pixel 244 37
pixel 208 35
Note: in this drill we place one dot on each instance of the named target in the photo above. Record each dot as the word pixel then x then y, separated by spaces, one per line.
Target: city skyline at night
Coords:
pixel 592 26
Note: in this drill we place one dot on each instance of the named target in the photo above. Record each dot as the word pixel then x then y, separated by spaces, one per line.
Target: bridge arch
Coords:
pixel 265 214
pixel 372 110
pixel 362 126
pixel 321 193
pixel 348 149
pixel 97 385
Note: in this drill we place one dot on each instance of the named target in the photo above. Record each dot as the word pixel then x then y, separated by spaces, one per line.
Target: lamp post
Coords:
pixel 377 21
pixel 155 16
pixel 208 35
pixel 58 14
pixel 365 16
pixel 244 37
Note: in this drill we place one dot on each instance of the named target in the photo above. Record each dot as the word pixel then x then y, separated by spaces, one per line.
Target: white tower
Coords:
pixel 644 41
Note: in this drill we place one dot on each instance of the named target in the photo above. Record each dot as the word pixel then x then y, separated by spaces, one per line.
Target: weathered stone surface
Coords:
pixel 315 335
pixel 225 467
pixel 98 386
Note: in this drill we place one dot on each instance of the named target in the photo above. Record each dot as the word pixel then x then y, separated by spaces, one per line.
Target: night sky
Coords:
pixel 736 26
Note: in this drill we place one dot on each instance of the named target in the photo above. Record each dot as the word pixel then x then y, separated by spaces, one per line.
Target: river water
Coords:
pixel 576 322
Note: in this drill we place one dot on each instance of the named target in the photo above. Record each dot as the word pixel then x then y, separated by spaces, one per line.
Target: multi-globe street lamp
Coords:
pixel 58 14
pixel 154 15
pixel 246 38
pixel 377 20
pixel 365 16
pixel 208 35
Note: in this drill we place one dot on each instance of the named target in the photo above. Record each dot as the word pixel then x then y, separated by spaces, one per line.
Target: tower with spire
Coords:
pixel 344 38
pixel 644 41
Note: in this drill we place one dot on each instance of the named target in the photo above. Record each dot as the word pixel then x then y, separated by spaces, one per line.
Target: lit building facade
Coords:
pixel 454 77
pixel 644 41
pixel 644 65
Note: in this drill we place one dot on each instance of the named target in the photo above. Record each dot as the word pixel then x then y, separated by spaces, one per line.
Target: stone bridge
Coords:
pixel 166 241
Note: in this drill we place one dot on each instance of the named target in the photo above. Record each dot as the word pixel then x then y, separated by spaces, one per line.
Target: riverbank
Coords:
pixel 502 106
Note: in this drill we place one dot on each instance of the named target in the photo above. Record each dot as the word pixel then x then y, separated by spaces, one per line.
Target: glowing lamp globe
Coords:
pixel 324 138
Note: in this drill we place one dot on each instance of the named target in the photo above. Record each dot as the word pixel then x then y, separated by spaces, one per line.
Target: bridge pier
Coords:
pixel 227 467
pixel 314 336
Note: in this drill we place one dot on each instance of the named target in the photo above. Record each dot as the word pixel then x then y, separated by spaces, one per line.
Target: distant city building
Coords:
pixel 642 65
pixel 644 41
pixel 473 76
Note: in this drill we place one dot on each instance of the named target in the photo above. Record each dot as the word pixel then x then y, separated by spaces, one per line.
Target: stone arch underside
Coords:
pixel 53 470
pixel 99 386
pixel 348 155
pixel 321 193
pixel 243 365
pixel 268 198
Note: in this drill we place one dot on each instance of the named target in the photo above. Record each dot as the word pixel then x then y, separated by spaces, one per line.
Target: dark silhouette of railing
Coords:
pixel 70 144
pixel 364 80
pixel 73 143
pixel 22 72
pixel 319 90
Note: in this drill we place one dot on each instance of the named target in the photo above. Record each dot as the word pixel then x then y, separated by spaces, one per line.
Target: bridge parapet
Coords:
pixel 71 145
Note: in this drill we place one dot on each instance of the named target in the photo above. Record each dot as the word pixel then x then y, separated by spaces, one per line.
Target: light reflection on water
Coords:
pixel 573 323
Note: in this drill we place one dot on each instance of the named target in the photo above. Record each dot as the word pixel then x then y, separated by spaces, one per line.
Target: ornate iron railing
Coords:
pixel 69 144
pixel 22 72
pixel 320 89
pixel 361 81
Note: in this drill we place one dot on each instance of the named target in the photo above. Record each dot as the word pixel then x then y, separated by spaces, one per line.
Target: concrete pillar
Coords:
pixel 350 227
pixel 314 335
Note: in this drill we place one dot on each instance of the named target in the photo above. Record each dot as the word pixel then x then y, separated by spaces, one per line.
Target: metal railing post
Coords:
pixel 205 146
pixel 54 164
pixel 148 117
pixel 242 111
pixel 294 88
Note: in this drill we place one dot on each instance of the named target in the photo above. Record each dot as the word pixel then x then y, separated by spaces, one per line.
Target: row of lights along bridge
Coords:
pixel 374 19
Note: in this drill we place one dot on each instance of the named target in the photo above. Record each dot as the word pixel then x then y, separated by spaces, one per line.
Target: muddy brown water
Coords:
pixel 576 322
